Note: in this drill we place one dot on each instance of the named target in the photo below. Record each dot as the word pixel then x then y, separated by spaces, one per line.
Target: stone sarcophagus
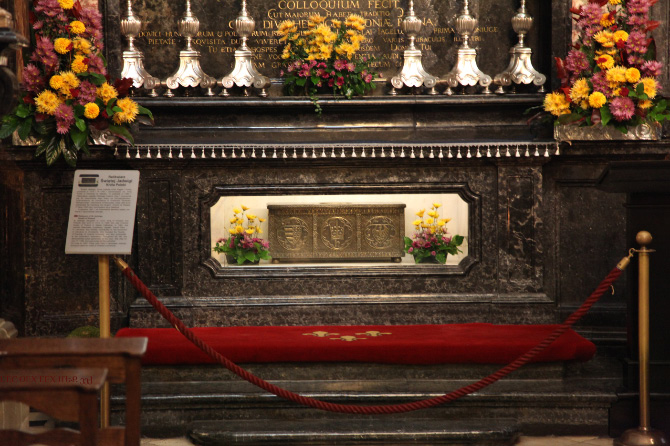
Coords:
pixel 336 232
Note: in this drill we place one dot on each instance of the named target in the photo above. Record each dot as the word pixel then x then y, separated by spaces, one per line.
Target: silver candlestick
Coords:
pixel 465 72
pixel 244 73
pixel 520 69
pixel 412 73
pixel 189 73
pixel 133 67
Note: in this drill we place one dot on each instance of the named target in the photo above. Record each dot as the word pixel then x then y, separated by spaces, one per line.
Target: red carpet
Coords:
pixel 391 344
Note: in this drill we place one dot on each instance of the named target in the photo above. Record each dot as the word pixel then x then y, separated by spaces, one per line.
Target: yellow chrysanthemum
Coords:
pixel 615 2
pixel 416 222
pixel 645 104
pixel 616 74
pixel 66 4
pixel 605 38
pixel 79 65
pixel 441 222
pixel 606 20
pixel 605 61
pixel 249 231
pixel 620 35
pixel 437 205
pixel 287 26
pixel 336 23
pixel 597 99
pixel 82 45
pixel 356 22
pixel 580 90
pixel 650 86
pixel 233 220
pixel 237 210
pixel 56 82
pixel 239 229
pixel 62 45
pixel 106 92
pixel 432 214
pixel 240 221
pixel 77 27
pixel 261 220
pixel 259 230
pixel 420 213
pixel 251 216
pixel 429 221
pixel 245 208
pixel 91 110
pixel 316 19
pixel 47 102
pixel 632 75
pixel 556 103
pixel 70 79
pixel 232 231
pixel 129 111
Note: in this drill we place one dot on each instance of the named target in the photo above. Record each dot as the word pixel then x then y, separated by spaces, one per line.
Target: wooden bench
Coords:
pixel 120 356
pixel 67 394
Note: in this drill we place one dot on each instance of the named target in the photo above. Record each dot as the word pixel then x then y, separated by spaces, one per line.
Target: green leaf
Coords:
pixel 79 109
pixel 98 79
pixel 639 89
pixel 70 155
pixel 22 111
pixel 145 111
pixel 24 129
pixel 457 240
pixel 315 79
pixel 53 150
pixel 81 125
pixel 441 257
pixel 117 109
pixel 568 118
pixel 605 115
pixel 122 133
pixel 78 137
pixel 300 82
pixel 250 256
pixel 265 255
pixel 11 123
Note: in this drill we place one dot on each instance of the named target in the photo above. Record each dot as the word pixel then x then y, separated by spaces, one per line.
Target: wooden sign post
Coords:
pixel 102 219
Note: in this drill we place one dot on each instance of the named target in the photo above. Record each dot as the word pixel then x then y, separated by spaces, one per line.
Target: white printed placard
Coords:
pixel 102 212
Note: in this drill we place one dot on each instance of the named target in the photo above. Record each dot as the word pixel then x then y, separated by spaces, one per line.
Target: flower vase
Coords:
pixel 643 132
pixel 232 261
pixel 429 260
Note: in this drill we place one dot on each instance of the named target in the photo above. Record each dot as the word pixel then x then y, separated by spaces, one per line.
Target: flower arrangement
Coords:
pixel 610 76
pixel 325 57
pixel 431 240
pixel 241 245
pixel 67 90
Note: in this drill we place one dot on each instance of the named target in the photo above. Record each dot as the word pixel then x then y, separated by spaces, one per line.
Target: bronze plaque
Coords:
pixel 336 231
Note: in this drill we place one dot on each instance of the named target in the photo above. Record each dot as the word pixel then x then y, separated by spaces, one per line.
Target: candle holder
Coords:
pixel 412 73
pixel 244 73
pixel 189 73
pixel 520 69
pixel 466 73
pixel 133 66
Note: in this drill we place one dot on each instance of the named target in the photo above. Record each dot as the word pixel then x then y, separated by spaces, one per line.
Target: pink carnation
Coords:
pixel 44 53
pixel 340 64
pixel 576 62
pixel 96 65
pixel 351 67
pixel 601 84
pixel 638 6
pixel 622 108
pixel 87 93
pixel 50 8
pixel 637 42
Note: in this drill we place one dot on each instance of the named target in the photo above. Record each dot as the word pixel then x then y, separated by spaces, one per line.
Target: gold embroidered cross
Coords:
pixel 347 339
pixel 373 333
pixel 320 334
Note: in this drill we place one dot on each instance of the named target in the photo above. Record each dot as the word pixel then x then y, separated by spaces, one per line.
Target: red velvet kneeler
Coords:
pixel 390 344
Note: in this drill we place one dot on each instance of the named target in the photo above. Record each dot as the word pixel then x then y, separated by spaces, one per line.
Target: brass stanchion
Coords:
pixel 644 435
pixel 105 332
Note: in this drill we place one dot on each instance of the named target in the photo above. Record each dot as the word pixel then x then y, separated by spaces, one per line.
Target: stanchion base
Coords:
pixel 641 437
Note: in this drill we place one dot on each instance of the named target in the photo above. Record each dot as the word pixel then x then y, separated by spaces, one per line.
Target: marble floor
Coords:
pixel 523 441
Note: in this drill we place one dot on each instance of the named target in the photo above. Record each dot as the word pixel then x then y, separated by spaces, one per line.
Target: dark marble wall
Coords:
pixel 542 237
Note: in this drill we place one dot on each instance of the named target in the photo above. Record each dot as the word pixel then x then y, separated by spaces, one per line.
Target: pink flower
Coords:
pixel 331 82
pixel 340 64
pixel 87 93
pixel 44 53
pixel 96 65
pixel 368 78
pixel 340 81
pixel 638 6
pixel 576 62
pixel 281 73
pixel 32 80
pixel 64 118
pixel 351 67
pixel 410 250
pixel 49 8
pixel 637 21
pixel 322 65
pixel 652 68
pixel 590 15
pixel 622 108
pixel 601 84
pixel 433 253
pixel 637 42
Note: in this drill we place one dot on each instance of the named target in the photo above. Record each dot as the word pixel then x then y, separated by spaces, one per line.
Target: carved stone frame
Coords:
pixel 257 271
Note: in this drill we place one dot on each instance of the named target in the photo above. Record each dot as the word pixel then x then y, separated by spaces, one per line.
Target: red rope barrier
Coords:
pixel 370 410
